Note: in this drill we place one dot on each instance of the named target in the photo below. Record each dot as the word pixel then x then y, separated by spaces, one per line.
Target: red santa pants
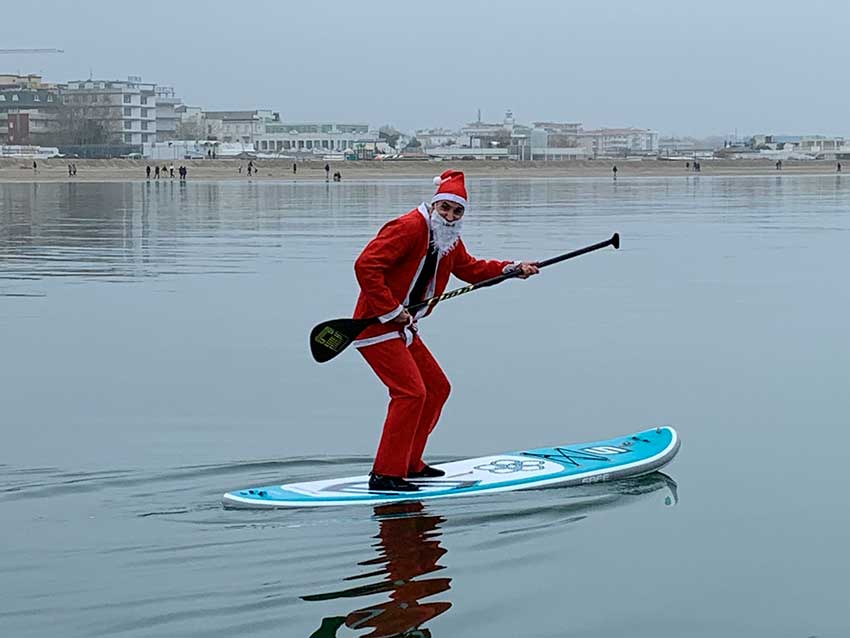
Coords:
pixel 418 389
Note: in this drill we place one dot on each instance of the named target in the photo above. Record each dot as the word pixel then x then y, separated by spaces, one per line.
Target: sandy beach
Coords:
pixel 122 170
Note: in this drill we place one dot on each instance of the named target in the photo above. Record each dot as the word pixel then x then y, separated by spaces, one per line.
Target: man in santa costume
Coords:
pixel 408 261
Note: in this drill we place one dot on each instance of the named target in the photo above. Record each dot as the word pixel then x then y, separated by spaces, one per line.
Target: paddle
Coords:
pixel 329 338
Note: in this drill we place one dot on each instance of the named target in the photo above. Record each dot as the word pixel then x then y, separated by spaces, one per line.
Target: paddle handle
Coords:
pixel 614 241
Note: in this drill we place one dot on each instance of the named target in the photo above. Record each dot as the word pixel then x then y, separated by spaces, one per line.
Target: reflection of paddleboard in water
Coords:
pixel 568 465
pixel 407 567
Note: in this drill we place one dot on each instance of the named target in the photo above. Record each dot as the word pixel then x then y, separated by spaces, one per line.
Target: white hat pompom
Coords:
pixel 438 180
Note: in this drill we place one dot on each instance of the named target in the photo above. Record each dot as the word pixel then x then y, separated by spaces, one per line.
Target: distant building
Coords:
pixel 125 108
pixel 436 137
pixel 613 142
pixel 489 134
pixel 677 145
pixel 318 138
pixel 167 115
pixel 542 141
pixel 550 141
pixel 238 126
pixel 820 144
pixel 28 110
pixel 793 147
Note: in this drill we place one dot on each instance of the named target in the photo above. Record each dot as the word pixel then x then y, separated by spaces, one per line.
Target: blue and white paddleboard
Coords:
pixel 578 464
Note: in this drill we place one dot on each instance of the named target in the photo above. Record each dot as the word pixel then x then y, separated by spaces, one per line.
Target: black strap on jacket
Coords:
pixel 429 269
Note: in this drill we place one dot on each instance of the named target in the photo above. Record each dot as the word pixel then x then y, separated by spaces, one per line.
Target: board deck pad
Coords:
pixel 576 464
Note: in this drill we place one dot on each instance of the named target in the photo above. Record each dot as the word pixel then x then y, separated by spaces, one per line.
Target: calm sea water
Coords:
pixel 153 355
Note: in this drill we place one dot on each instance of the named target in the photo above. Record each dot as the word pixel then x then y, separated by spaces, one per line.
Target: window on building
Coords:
pixel 15 97
pixel 2 98
pixel 128 138
pixel 128 124
pixel 127 99
pixel 35 98
pixel 128 111
pixel 144 126
pixel 49 98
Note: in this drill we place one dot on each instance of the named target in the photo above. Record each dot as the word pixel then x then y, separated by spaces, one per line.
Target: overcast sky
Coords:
pixel 685 67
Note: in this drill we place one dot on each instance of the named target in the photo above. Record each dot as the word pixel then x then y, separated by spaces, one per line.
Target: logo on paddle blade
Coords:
pixel 509 466
pixel 332 339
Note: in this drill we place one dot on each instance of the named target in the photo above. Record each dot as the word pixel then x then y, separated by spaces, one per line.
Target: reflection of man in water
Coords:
pixel 408 547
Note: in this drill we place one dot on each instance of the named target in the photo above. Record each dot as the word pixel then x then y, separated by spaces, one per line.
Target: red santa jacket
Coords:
pixel 389 265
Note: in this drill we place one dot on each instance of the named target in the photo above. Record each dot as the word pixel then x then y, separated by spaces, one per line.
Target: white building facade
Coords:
pixel 238 126
pixel 166 113
pixel 316 138
pixel 618 141
pixel 126 108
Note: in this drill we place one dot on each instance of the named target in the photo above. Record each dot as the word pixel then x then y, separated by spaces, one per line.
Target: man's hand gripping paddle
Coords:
pixel 329 338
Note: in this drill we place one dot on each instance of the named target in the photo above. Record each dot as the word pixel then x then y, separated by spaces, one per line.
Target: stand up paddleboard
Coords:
pixel 578 464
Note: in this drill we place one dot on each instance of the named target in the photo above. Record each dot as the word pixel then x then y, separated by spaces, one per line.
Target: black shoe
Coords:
pixel 426 472
pixel 382 483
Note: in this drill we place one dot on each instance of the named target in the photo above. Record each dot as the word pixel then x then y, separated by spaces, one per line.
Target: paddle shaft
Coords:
pixel 614 241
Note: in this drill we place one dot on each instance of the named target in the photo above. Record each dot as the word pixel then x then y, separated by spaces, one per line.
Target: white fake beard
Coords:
pixel 444 234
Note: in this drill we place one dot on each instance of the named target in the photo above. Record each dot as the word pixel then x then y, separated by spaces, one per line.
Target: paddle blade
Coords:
pixel 615 240
pixel 329 338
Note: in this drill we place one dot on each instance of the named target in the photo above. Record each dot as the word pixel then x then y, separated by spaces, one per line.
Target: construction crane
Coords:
pixel 25 51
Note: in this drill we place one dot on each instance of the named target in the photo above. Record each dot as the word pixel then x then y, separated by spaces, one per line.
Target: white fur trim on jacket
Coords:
pixel 391 315
pixel 457 199
pixel 510 267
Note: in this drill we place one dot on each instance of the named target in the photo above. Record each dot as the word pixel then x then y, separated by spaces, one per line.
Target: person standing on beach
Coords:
pixel 156 172
pixel 69 170
pixel 615 171
pixel 838 167
pixel 294 168
pixel 148 171
pixel 327 171
pixel 34 167
pixel 74 168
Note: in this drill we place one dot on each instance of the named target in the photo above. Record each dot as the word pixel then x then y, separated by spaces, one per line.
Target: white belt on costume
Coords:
pixel 408 333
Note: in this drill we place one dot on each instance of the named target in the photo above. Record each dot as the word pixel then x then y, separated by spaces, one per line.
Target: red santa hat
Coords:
pixel 450 185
